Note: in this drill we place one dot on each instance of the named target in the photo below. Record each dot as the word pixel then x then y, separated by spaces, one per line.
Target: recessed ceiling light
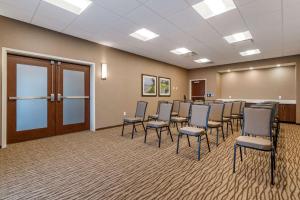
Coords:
pixel 74 6
pixel 144 34
pixel 210 8
pixel 181 51
pixel 238 37
pixel 202 60
pixel 250 52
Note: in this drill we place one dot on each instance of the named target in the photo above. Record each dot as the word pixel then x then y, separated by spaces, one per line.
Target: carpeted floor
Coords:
pixel 104 165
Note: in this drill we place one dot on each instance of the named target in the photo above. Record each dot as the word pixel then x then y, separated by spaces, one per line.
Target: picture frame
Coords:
pixel 164 85
pixel 149 85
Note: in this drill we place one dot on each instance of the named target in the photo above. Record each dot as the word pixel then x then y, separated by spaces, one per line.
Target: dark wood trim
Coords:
pixel 142 88
pixel 158 85
pixel 108 127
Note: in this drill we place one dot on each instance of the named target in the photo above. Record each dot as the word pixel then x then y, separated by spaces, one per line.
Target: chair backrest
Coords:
pixel 216 112
pixel 243 104
pixel 236 107
pixel 199 115
pixel 141 109
pixel 227 109
pixel 184 109
pixel 176 106
pixel 258 121
pixel 158 105
pixel 165 112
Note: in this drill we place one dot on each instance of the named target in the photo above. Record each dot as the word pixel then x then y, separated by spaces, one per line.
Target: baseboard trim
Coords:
pixel 108 127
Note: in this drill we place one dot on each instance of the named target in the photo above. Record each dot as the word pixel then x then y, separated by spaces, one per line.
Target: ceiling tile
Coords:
pixel 122 7
pixel 166 7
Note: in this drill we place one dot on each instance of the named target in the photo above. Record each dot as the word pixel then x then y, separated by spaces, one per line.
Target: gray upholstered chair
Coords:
pixel 227 116
pixel 138 119
pixel 162 123
pixel 155 116
pixel 257 134
pixel 176 107
pixel 197 126
pixel 216 119
pixel 236 112
pixel 183 115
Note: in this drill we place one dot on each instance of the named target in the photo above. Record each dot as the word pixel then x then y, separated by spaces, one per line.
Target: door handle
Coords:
pixel 60 97
pixel 29 98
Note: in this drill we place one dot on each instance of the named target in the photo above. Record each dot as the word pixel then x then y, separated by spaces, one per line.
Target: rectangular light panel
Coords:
pixel 181 51
pixel 144 34
pixel 238 37
pixel 250 52
pixel 211 8
pixel 74 6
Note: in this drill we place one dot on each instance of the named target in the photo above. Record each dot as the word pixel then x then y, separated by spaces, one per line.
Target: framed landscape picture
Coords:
pixel 164 87
pixel 149 85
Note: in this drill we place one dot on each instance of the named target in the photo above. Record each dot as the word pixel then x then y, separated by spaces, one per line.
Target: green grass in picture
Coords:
pixel 149 86
pixel 164 87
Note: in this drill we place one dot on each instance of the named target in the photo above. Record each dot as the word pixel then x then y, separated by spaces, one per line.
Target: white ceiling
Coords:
pixel 274 25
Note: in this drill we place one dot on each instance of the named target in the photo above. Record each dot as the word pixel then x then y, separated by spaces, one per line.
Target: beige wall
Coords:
pixel 260 84
pixel 287 89
pixel 120 91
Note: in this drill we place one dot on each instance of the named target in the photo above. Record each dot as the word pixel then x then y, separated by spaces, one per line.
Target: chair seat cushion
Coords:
pixel 155 116
pixel 179 119
pixel 213 124
pixel 157 124
pixel 235 116
pixel 226 119
pixel 174 113
pixel 254 142
pixel 192 131
pixel 133 119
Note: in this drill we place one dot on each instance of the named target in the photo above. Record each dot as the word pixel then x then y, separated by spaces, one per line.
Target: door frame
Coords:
pixel 5 51
pixel 190 86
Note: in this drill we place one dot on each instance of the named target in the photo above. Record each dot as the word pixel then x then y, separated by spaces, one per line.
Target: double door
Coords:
pixel 46 98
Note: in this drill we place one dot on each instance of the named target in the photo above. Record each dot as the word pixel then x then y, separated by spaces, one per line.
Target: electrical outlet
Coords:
pixel 229 97
pixel 279 97
pixel 124 113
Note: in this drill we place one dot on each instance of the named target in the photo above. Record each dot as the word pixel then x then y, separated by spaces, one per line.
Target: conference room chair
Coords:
pixel 176 107
pixel 216 119
pixel 197 126
pixel 257 134
pixel 236 113
pixel 155 116
pixel 162 123
pixel 138 119
pixel 227 116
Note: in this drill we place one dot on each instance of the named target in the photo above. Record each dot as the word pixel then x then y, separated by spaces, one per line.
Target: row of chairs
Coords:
pixel 256 122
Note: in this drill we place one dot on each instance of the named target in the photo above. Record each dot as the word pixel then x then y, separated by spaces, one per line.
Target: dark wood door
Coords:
pixel 46 98
pixel 30 109
pixel 198 90
pixel 73 100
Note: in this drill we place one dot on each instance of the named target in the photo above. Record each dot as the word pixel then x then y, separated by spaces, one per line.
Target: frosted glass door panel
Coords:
pixel 73 87
pixel 32 81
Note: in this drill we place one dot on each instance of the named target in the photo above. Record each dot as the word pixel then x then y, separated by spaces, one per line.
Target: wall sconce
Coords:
pixel 103 71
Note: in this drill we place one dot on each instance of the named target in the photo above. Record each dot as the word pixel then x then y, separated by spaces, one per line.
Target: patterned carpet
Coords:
pixel 105 165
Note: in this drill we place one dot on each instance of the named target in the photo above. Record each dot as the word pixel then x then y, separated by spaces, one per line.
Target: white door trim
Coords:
pixel 190 86
pixel 6 51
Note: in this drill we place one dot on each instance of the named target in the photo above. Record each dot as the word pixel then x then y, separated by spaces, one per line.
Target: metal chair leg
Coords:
pixel 217 136
pixel 272 167
pixel 170 133
pixel 159 139
pixel 241 153
pixel 207 142
pixel 234 157
pixel 231 127
pixel 222 128
pixel 188 139
pixel 177 149
pixel 133 129
pixel 123 128
pixel 144 126
pixel 199 145
pixel 146 131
